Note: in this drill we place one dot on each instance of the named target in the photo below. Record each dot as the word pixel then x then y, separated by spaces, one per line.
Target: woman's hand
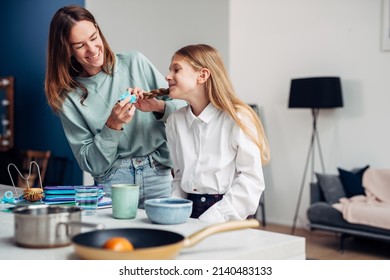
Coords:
pixel 122 113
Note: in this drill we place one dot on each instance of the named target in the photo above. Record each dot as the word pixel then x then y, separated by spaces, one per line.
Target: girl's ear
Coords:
pixel 204 74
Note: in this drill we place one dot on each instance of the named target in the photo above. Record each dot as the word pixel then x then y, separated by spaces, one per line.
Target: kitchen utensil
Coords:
pixel 148 243
pixel 30 193
pixel 45 226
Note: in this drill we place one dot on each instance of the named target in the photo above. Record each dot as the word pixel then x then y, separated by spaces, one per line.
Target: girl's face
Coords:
pixel 87 47
pixel 182 79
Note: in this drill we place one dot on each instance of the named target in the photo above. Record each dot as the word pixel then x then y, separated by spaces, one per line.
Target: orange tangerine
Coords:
pixel 119 244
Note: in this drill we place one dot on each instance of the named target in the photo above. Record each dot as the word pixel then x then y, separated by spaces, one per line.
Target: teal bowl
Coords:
pixel 168 211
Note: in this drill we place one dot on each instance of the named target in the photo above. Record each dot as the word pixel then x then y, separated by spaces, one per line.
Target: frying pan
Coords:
pixel 149 244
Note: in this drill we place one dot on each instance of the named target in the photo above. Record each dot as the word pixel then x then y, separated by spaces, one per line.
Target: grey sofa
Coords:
pixel 322 216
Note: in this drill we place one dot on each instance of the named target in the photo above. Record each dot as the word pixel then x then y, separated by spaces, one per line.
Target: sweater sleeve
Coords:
pixel 94 153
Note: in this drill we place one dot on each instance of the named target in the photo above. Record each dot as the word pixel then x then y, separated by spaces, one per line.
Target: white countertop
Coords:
pixel 237 244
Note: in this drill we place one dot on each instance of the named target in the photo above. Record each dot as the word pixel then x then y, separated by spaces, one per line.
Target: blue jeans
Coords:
pixel 153 178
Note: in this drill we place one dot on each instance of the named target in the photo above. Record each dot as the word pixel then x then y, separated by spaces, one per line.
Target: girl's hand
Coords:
pixel 149 104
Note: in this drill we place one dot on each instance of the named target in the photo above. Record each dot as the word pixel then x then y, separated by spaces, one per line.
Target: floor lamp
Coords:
pixel 313 93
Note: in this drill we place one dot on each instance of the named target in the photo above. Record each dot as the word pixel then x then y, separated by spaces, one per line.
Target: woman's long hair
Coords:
pixel 62 68
pixel 221 93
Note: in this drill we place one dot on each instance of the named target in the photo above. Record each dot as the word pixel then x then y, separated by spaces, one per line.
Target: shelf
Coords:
pixel 6 113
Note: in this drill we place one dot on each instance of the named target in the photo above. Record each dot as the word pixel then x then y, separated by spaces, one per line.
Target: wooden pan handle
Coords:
pixel 217 228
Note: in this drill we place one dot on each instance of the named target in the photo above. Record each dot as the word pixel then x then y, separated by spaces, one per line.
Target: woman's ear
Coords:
pixel 204 74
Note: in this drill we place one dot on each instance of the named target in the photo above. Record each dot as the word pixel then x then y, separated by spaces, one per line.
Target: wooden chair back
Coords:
pixel 42 159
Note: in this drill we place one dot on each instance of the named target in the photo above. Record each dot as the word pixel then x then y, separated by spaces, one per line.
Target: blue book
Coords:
pixel 64 194
pixel 64 189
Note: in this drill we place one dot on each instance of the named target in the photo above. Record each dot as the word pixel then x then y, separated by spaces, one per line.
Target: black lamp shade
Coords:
pixel 316 92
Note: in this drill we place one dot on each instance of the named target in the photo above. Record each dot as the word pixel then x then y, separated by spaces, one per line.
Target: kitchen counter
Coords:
pixel 237 244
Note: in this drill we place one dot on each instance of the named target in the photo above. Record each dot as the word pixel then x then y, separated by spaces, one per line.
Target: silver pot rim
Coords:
pixel 44 210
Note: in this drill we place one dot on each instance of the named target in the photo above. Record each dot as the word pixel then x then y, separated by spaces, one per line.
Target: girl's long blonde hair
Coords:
pixel 221 93
pixel 61 67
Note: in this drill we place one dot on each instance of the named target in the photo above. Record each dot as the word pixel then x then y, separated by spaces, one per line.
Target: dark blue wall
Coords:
pixel 24 28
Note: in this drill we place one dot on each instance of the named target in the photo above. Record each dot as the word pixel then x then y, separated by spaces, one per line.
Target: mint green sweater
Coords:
pixel 99 149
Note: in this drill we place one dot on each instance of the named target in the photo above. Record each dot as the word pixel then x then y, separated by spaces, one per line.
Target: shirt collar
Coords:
pixel 206 116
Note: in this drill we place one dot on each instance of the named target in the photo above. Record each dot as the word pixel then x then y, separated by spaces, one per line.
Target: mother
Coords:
pixel 116 142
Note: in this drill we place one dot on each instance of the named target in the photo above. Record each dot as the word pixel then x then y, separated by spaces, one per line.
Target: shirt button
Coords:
pixel 203 199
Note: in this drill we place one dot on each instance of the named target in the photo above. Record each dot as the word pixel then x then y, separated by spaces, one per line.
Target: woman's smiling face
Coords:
pixel 87 47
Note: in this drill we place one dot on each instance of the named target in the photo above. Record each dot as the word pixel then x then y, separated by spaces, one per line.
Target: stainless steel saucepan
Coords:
pixel 45 226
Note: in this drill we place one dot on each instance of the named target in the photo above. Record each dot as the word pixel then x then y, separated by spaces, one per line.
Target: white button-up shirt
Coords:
pixel 212 155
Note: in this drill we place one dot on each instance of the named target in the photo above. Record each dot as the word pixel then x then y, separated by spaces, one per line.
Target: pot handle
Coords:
pixel 217 228
pixel 77 224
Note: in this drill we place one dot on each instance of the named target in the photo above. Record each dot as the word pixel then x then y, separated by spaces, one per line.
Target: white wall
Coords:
pixel 266 44
pixel 274 41
pixel 159 28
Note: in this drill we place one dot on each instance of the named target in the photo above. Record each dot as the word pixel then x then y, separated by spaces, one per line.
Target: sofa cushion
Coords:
pixel 331 187
pixel 352 181
pixel 321 213
pixel 376 183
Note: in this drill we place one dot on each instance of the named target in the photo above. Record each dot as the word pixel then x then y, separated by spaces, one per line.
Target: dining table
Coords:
pixel 242 244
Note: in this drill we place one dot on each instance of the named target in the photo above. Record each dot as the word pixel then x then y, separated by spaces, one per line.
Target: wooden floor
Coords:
pixel 321 245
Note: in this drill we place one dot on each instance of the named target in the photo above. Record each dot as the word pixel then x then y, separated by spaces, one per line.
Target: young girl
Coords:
pixel 217 143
